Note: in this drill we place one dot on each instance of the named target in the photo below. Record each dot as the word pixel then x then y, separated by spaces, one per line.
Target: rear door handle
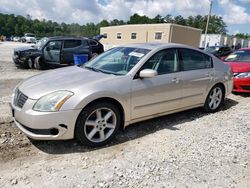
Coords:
pixel 175 80
pixel 209 74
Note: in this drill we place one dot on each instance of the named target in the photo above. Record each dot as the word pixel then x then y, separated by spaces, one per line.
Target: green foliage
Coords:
pixel 11 25
pixel 242 35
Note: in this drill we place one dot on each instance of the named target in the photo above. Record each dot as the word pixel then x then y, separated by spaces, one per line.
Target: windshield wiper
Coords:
pixel 92 68
pixel 100 70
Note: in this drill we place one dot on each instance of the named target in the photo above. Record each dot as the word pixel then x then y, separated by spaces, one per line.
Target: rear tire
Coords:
pixel 98 124
pixel 214 99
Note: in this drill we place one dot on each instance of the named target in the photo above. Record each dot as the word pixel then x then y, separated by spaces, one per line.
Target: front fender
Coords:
pixel 86 99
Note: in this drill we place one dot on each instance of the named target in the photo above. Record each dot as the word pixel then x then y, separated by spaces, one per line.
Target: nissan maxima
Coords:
pixel 124 85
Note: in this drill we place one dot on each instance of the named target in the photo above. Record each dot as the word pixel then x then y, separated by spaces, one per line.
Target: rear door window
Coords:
pixel 93 43
pixel 72 43
pixel 193 60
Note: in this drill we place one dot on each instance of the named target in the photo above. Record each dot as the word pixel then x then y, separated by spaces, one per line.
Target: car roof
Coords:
pixel 67 38
pixel 155 45
pixel 244 49
pixel 218 47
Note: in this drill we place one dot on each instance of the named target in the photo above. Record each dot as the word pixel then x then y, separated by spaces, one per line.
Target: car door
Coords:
pixel 197 75
pixel 162 93
pixel 96 48
pixel 71 47
pixel 52 52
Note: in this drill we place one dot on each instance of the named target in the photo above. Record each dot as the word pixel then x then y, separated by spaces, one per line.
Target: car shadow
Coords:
pixel 131 132
pixel 242 94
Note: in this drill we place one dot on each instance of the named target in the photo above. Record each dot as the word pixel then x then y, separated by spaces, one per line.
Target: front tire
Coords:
pixel 31 63
pixel 214 99
pixel 98 124
pixel 39 64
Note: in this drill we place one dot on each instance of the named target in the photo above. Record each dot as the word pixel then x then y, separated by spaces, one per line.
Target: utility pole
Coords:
pixel 208 17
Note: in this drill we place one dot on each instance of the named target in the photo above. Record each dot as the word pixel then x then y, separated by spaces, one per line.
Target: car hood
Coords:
pixel 26 48
pixel 239 66
pixel 69 78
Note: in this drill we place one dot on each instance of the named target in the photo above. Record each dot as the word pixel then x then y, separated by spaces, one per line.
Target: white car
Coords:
pixel 29 38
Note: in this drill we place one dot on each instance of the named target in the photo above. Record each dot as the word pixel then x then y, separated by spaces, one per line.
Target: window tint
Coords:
pixel 93 43
pixel 192 60
pixel 72 43
pixel 163 62
pixel 54 45
pixel 133 35
pixel 158 35
pixel 239 56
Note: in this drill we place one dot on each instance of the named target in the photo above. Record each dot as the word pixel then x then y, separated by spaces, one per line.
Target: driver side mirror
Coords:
pixel 148 73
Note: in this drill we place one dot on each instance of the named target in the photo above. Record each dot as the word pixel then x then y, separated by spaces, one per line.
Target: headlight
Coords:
pixel 52 102
pixel 243 75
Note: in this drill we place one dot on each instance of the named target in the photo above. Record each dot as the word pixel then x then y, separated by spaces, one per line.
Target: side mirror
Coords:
pixel 148 73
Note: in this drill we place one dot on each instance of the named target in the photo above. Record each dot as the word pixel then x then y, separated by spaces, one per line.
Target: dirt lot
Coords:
pixel 187 149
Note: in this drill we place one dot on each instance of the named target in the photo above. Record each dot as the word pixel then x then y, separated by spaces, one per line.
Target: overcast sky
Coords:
pixel 236 13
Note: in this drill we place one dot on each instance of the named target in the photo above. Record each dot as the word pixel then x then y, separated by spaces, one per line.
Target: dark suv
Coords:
pixel 219 51
pixel 55 52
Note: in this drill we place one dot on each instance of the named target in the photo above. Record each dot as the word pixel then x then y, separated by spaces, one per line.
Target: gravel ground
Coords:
pixel 9 77
pixel 187 149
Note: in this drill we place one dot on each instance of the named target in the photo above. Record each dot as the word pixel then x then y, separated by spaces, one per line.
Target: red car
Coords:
pixel 240 65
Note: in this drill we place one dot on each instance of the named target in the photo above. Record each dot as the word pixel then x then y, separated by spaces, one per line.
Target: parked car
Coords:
pixel 121 86
pixel 16 39
pixel 29 38
pixel 219 51
pixel 55 51
pixel 239 62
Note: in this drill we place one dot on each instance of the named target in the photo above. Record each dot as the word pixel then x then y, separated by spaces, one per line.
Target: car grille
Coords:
pixel 19 98
pixel 245 87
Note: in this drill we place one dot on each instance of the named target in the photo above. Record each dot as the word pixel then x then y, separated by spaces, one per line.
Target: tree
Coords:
pixel 168 18
pixel 158 19
pixel 179 20
pixel 18 25
pixel 242 35
pixel 137 19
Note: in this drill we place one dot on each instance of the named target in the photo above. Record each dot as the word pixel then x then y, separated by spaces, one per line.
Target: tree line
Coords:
pixel 12 25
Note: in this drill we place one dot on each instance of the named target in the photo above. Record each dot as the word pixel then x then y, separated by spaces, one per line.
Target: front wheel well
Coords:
pixel 112 101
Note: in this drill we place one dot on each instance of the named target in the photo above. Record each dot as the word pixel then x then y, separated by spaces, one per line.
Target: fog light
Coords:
pixel 54 131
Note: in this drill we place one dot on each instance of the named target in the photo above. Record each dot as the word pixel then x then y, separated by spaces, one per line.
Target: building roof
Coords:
pixel 153 45
pixel 149 25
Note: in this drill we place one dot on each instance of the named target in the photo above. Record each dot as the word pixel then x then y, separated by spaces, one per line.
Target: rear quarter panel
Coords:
pixel 223 74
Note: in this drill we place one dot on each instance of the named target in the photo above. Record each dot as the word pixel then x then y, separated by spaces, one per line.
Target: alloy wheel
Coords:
pixel 100 125
pixel 215 98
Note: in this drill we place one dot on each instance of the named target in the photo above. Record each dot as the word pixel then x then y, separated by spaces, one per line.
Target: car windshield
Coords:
pixel 39 45
pixel 117 61
pixel 30 35
pixel 239 56
pixel 212 49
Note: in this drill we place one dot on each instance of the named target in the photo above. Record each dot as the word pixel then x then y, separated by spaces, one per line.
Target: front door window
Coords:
pixel 52 51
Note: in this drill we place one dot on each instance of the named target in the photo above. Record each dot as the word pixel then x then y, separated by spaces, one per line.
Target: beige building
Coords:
pixel 140 33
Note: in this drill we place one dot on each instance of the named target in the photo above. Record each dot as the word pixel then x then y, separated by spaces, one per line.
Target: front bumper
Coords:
pixel 241 85
pixel 44 125
pixel 18 61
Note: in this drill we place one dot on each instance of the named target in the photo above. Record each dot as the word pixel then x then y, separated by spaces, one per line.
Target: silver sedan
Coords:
pixel 124 85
